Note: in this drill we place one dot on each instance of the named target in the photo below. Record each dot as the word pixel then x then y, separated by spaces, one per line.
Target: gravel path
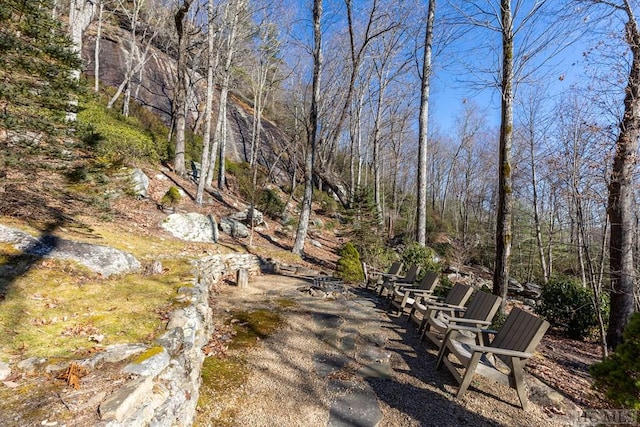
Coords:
pixel 345 362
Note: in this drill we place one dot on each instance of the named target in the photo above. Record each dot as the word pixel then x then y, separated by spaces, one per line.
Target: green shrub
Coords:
pixel 366 232
pixel 619 376
pixel 270 203
pixel 328 205
pixel 171 197
pixel 116 138
pixel 568 306
pixel 420 255
pixel 349 267
pixel 237 169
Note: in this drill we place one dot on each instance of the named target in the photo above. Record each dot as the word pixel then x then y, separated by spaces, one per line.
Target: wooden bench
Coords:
pixel 478 314
pixel 501 359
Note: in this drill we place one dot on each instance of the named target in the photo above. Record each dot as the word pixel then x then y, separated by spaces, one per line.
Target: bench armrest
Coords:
pixel 499 351
pixel 458 320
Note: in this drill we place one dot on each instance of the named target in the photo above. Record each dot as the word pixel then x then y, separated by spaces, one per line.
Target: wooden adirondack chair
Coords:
pixel 423 307
pixel 404 296
pixel 478 313
pixel 510 349
pixel 373 279
pixel 390 282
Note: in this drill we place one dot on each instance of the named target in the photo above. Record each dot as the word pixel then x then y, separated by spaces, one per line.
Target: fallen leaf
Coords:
pixel 73 374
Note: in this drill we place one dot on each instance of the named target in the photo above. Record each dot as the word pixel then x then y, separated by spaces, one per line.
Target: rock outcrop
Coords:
pixel 100 259
pixel 155 91
pixel 193 227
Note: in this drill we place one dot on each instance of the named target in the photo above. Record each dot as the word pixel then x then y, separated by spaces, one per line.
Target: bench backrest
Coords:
pixel 521 331
pixel 412 274
pixel 395 268
pixel 483 306
pixel 459 294
pixel 429 281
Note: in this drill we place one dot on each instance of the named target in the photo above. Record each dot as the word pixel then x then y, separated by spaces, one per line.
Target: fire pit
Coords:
pixel 326 287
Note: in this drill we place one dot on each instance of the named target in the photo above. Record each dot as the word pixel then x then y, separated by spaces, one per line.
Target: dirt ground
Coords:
pixel 285 389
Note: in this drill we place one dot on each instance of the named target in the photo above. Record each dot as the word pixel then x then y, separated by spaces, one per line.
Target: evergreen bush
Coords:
pixel 172 197
pixel 349 267
pixel 367 233
pixel 116 139
pixel 568 306
pixel 420 255
pixel 37 62
pixel 619 376
pixel 328 205
pixel 270 203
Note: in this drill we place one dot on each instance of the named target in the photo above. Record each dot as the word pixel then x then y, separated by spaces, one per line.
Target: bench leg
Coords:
pixel 470 370
pixel 518 380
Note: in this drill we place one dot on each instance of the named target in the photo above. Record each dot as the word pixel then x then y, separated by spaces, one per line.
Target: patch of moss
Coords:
pixel 254 325
pixel 220 377
pixel 52 307
pixel 285 303
pixel 149 354
pixel 171 197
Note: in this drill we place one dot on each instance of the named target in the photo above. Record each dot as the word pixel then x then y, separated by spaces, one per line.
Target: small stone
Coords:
pixel 5 371
pixel 126 400
pixel 32 364
pixel 98 338
pixel 172 341
pixel 151 366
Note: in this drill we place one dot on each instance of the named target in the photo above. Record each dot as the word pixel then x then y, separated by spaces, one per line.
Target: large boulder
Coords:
pixel 233 228
pixel 192 226
pixel 532 290
pixel 139 183
pixel 247 215
pixel 100 259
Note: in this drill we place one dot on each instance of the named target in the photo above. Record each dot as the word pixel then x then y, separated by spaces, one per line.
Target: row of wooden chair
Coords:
pixel 461 330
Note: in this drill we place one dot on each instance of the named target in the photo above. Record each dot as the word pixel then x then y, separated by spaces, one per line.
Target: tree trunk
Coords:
pixel 96 54
pixel 305 212
pixel 536 210
pixel 223 141
pixel 206 138
pixel 621 196
pixel 505 190
pixel 180 90
pixel 423 123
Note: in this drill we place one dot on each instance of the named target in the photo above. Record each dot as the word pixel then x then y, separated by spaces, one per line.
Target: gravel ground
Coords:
pixel 288 387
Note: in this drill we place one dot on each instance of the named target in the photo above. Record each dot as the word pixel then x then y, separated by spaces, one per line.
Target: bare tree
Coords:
pixel 498 16
pixel 212 63
pixel 228 39
pixel 180 89
pixel 620 202
pixel 136 59
pixel 421 212
pixel 305 212
pixel 96 53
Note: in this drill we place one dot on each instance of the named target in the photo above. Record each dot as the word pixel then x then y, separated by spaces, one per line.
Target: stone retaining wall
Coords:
pixel 164 390
pixel 212 268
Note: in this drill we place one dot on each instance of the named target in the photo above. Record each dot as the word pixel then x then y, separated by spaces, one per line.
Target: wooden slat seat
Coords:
pixel 501 359
pixel 404 297
pixel 373 279
pixel 455 300
pixel 391 281
pixel 478 313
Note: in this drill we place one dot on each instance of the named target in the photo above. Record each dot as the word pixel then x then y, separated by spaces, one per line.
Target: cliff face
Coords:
pixel 154 90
